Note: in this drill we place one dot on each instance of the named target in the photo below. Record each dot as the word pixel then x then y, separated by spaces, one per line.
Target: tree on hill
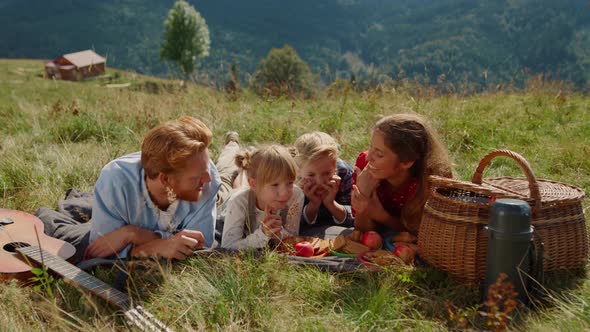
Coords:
pixel 283 72
pixel 186 37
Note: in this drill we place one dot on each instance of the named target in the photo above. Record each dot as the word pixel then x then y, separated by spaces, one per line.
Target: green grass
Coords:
pixel 56 135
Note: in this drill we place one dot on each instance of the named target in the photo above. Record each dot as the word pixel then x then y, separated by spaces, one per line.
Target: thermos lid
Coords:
pixel 512 216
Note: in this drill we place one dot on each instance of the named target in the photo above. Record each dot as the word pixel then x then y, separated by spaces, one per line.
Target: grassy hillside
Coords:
pixel 57 135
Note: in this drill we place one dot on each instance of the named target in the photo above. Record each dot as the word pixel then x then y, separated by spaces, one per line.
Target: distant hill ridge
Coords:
pixel 482 42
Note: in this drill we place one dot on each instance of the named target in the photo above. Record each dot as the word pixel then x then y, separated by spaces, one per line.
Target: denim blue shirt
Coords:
pixel 121 198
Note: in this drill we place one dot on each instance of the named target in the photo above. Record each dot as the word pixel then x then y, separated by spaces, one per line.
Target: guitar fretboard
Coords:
pixel 76 276
pixel 72 274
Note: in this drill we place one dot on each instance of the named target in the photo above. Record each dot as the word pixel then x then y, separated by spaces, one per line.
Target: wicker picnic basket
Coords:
pixel 452 236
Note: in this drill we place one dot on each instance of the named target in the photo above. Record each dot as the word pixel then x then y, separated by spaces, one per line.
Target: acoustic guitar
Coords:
pixel 19 244
pixel 17 229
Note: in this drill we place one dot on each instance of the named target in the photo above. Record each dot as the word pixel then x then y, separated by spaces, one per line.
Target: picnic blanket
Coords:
pixel 328 263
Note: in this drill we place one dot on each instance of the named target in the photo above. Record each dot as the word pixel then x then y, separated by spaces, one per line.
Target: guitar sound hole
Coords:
pixel 11 247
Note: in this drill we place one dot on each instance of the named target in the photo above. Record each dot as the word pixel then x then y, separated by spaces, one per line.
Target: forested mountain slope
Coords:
pixel 483 42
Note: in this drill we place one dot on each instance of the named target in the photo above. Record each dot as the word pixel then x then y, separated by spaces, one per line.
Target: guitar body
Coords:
pixel 17 229
pixel 19 244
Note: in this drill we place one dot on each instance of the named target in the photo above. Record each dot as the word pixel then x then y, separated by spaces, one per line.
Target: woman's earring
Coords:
pixel 171 195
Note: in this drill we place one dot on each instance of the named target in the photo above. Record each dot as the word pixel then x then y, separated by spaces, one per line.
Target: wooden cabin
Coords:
pixel 76 66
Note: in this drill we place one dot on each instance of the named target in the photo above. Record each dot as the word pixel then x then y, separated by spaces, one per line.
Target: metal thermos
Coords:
pixel 509 245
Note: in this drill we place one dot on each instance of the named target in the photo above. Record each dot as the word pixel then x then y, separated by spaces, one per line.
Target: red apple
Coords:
pixel 372 240
pixel 304 249
pixel 404 252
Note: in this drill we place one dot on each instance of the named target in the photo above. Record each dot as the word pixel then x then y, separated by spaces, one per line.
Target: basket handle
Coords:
pixel 524 165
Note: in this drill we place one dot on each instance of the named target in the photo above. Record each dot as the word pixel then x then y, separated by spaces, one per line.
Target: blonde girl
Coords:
pixel 326 181
pixel 270 207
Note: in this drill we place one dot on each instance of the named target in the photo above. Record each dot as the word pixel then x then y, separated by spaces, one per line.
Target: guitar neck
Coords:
pixel 77 277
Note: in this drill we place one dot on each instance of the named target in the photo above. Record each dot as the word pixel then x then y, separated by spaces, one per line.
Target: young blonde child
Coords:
pixel 326 181
pixel 270 207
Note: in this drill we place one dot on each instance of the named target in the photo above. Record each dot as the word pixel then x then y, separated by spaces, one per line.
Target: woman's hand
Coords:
pixel 359 202
pixel 365 181
pixel 271 225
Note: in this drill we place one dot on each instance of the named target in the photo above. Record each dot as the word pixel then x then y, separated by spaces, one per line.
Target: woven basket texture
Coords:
pixel 452 235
